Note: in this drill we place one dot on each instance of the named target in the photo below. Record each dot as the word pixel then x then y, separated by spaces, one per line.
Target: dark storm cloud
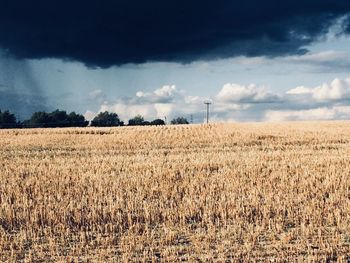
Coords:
pixel 347 24
pixel 114 32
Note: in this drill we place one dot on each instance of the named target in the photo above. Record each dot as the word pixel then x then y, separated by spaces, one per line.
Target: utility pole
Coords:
pixel 208 104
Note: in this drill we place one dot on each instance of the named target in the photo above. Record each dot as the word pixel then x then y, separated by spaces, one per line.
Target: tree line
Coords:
pixel 60 118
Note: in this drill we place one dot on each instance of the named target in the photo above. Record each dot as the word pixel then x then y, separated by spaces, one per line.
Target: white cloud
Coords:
pixel 127 111
pixel 165 94
pixel 336 90
pixel 326 113
pixel 166 91
pixel 247 94
pixel 140 94
pixel 299 90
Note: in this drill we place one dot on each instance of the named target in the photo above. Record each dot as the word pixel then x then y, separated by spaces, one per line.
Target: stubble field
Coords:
pixel 200 193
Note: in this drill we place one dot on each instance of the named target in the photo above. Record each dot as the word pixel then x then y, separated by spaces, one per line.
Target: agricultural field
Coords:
pixel 199 193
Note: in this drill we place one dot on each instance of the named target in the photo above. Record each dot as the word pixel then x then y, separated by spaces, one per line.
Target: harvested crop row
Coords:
pixel 196 192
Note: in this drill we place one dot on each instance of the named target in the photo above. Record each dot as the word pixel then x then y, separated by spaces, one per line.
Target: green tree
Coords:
pixel 158 122
pixel 137 120
pixel 106 119
pixel 39 119
pixel 56 118
pixel 77 120
pixel 7 120
pixel 179 120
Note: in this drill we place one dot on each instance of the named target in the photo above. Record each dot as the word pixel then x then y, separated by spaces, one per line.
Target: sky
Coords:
pixel 254 60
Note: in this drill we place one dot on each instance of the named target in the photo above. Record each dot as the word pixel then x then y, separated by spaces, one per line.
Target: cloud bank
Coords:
pixel 115 32
pixel 234 102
